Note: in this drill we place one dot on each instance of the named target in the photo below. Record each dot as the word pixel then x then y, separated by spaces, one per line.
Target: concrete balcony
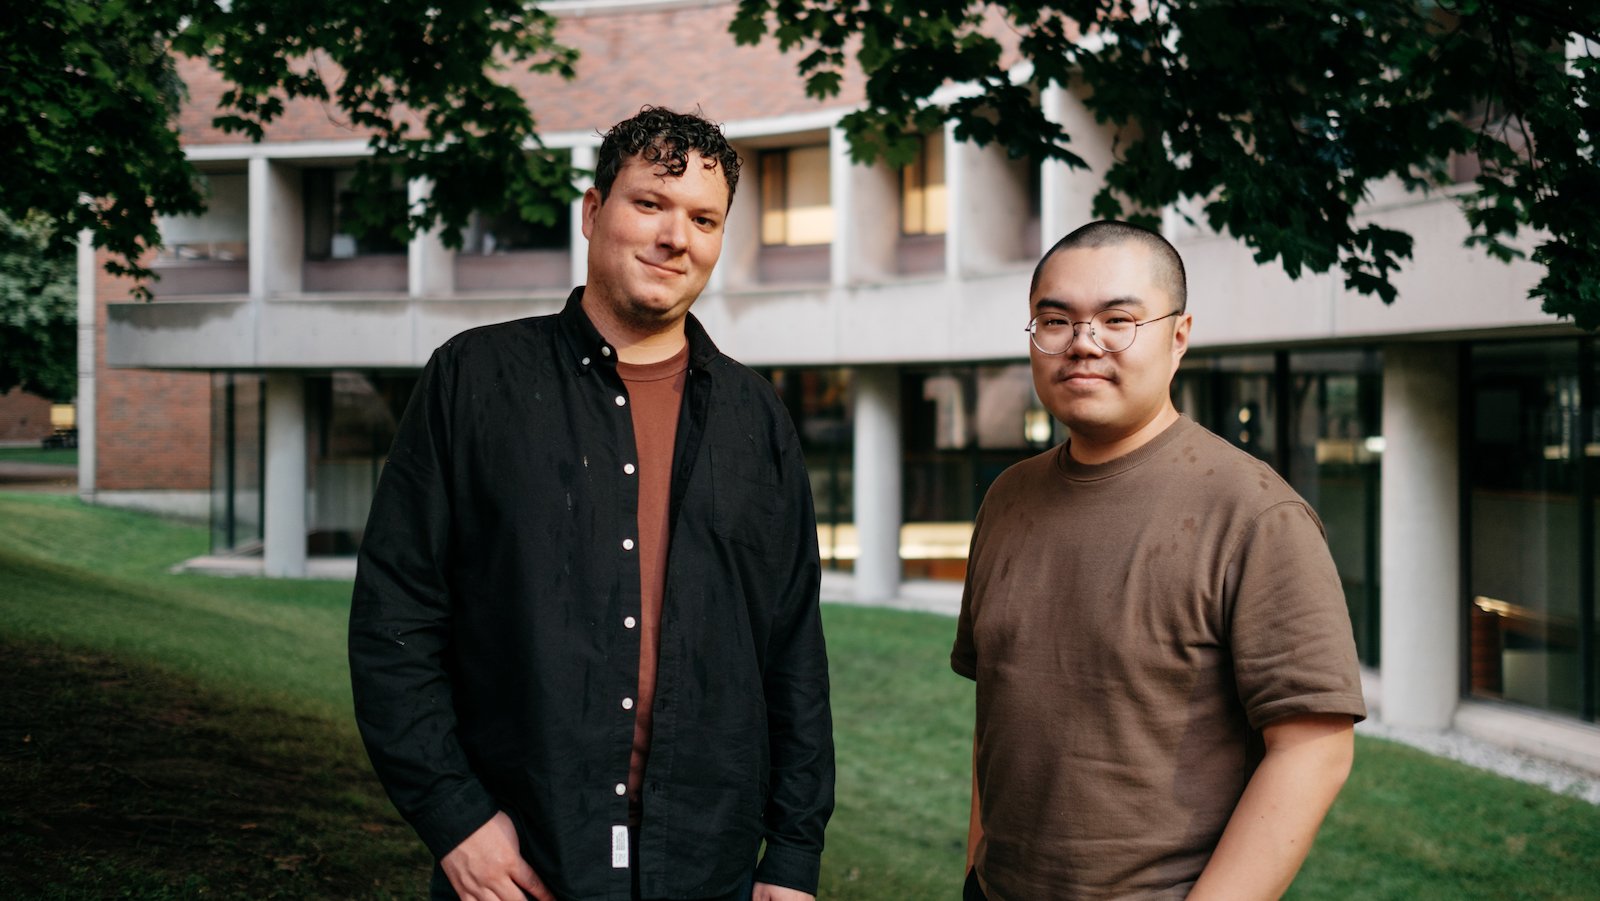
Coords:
pixel 307 332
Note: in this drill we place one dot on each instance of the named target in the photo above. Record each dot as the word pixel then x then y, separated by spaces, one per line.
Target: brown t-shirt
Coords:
pixel 1131 627
pixel 655 393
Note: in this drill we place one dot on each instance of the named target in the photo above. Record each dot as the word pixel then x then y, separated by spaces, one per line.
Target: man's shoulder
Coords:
pixel 498 334
pixel 1233 477
pixel 1024 480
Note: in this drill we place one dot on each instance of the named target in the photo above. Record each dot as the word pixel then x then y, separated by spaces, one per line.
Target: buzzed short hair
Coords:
pixel 1169 272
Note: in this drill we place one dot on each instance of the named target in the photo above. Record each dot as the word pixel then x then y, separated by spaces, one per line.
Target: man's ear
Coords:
pixel 1180 339
pixel 591 209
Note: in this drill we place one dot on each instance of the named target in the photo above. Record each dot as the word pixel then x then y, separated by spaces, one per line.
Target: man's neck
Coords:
pixel 651 349
pixel 635 345
pixel 1089 451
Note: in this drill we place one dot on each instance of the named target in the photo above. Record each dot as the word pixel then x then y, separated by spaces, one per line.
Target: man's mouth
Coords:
pixel 662 268
pixel 1085 375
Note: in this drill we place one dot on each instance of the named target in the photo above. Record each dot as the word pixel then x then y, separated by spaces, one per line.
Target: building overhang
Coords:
pixel 299 333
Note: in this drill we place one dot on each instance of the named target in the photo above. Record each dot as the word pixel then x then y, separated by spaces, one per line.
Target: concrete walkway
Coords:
pixel 51 477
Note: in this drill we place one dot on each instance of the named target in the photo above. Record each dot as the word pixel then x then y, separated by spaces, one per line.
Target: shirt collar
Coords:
pixel 588 348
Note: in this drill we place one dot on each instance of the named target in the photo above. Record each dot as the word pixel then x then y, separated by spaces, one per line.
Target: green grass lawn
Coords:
pixel 60 457
pixel 181 735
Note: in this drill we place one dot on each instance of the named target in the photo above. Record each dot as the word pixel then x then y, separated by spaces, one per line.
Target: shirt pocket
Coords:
pixel 744 496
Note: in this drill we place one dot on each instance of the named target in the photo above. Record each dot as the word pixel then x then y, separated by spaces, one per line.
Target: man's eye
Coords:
pixel 1119 319
pixel 705 222
pixel 1055 322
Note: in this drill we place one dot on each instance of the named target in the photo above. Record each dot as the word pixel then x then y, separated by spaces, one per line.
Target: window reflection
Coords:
pixel 1524 525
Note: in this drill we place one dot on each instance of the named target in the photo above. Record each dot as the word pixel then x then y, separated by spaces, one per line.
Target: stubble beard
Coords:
pixel 647 319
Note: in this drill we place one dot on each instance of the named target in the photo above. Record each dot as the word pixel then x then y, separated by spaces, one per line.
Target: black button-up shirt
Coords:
pixel 493 630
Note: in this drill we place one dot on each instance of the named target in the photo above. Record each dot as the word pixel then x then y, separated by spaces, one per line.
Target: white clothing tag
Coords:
pixel 619 847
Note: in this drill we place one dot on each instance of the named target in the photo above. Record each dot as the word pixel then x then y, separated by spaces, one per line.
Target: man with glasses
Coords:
pixel 1166 677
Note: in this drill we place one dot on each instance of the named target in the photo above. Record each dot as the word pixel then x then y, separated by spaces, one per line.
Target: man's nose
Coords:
pixel 674 231
pixel 1082 343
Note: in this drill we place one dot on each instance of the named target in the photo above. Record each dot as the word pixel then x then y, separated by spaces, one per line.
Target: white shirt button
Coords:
pixel 627 703
pixel 629 622
pixel 605 351
pixel 586 361
pixel 627 544
pixel 622 788
pixel 627 468
pixel 621 401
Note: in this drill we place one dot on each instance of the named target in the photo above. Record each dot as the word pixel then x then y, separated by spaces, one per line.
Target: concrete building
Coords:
pixel 1449 441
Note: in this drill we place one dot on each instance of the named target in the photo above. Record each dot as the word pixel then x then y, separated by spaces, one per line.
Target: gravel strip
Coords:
pixel 1473 752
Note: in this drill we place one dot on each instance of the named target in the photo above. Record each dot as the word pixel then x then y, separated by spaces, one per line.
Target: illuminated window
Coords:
pixel 795 203
pixel 923 207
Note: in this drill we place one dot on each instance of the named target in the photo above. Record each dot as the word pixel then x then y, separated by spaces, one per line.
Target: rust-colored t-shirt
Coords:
pixel 1131 627
pixel 655 394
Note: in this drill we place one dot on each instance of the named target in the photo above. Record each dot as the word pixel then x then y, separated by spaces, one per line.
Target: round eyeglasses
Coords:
pixel 1112 330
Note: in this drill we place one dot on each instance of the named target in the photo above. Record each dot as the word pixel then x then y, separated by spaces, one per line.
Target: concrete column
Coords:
pixel 988 208
pixel 277 229
pixel 1069 193
pixel 430 266
pixel 87 356
pixel 841 191
pixel 866 210
pixel 285 486
pixel 1420 634
pixel 957 185
pixel 877 482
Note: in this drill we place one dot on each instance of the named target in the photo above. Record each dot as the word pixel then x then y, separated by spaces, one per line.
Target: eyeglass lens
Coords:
pixel 1112 330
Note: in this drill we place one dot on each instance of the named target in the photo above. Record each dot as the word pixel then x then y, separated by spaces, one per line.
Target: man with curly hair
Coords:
pixel 585 643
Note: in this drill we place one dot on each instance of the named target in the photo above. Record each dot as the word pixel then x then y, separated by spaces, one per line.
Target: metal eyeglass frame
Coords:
pixel 1033 334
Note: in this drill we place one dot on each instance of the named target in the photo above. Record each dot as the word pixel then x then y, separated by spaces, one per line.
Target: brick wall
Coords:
pixel 24 416
pixel 152 429
pixel 679 58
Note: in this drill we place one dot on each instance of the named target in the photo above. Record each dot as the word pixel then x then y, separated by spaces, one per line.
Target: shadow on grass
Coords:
pixel 129 782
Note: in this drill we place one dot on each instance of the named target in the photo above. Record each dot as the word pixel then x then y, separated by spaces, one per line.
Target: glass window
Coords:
pixel 238 429
pixel 922 190
pixel 222 232
pixel 352 418
pixel 1591 462
pixel 796 203
pixel 1335 459
pixel 1232 395
pixel 509 232
pixel 818 401
pixel 332 230
pixel 1520 465
pixel 1332 447
pixel 208 254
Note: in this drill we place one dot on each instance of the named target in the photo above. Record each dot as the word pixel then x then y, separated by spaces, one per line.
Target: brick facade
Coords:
pixel 680 57
pixel 23 416
pixel 152 429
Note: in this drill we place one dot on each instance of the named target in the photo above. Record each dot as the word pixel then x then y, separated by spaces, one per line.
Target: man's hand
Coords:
pixel 488 865
pixel 765 892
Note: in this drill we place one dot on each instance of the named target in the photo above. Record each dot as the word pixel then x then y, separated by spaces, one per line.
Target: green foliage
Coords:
pixel 88 118
pixel 38 310
pixel 1273 119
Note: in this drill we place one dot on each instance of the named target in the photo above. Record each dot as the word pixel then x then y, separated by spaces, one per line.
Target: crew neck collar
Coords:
pixel 1074 471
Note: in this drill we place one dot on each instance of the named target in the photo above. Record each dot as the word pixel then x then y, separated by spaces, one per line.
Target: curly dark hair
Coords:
pixel 665 138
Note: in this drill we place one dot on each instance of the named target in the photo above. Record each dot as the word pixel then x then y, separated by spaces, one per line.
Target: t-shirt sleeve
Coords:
pixel 1293 649
pixel 964 655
